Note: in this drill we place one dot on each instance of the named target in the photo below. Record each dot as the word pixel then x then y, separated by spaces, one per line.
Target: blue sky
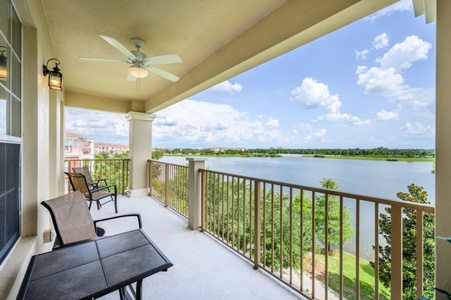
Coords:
pixel 370 84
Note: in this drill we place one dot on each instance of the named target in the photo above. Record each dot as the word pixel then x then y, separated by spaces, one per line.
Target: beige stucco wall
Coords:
pixel 42 145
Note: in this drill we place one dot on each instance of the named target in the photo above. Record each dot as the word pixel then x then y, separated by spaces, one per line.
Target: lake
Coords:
pixel 382 179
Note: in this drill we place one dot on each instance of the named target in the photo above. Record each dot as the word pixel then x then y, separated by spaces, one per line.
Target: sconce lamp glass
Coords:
pixel 3 64
pixel 55 76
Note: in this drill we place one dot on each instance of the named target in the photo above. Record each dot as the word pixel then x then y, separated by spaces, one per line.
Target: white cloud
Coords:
pixel 320 133
pixel 403 5
pixel 272 122
pixel 313 94
pixel 387 115
pixel 201 122
pixel 228 87
pixel 361 55
pixel 101 126
pixel 389 84
pixel 307 134
pixel 361 69
pixel 316 94
pixel 344 117
pixel 402 55
pixel 417 130
pixel 167 121
pixel 387 81
pixel 381 41
pixel 381 82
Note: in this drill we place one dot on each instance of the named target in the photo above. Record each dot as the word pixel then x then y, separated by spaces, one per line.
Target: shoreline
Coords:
pixel 375 158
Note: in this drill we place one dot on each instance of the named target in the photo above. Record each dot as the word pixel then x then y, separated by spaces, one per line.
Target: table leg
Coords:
pixel 139 290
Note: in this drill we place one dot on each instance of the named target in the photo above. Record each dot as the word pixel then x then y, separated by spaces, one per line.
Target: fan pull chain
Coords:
pixel 138 86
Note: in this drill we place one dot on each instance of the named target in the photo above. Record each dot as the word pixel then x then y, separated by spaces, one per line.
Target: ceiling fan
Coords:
pixel 141 64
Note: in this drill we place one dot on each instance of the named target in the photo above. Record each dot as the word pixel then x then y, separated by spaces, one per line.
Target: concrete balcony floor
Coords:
pixel 203 268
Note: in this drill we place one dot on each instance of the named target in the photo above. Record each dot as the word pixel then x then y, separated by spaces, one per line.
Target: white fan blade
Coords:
pixel 163 59
pixel 131 78
pixel 105 60
pixel 162 73
pixel 118 46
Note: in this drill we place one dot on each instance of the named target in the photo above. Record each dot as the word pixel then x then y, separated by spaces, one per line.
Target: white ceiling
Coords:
pixel 216 40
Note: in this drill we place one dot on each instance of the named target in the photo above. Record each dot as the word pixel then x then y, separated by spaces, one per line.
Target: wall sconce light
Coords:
pixel 3 65
pixel 55 76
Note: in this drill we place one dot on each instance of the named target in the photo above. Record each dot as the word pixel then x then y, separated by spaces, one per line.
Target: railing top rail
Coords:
pixel 428 208
pixel 166 163
pixel 94 159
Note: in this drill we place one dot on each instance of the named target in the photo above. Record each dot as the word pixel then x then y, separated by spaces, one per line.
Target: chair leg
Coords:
pixel 90 203
pixel 115 202
pixel 98 205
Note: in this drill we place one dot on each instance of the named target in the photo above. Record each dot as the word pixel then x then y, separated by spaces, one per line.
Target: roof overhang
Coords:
pixel 216 40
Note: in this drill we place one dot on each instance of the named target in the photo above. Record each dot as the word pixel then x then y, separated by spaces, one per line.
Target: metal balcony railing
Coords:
pixel 300 234
pixel 115 171
pixel 169 184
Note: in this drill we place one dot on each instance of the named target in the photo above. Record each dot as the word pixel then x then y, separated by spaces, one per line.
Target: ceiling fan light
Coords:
pixel 138 72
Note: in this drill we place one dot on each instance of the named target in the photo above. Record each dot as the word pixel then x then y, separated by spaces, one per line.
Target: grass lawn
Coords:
pixel 349 278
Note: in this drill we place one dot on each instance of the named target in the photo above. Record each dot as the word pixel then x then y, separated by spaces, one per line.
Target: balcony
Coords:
pixel 258 219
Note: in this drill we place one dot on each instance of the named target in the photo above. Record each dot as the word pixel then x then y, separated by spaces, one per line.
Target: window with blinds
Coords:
pixel 9 197
pixel 10 126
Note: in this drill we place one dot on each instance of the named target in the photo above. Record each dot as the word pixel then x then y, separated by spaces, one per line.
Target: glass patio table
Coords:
pixel 94 268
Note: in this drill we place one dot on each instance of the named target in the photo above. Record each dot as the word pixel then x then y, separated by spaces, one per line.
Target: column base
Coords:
pixel 136 193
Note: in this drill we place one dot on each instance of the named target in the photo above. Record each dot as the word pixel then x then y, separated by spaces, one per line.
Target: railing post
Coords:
pixel 166 184
pixel 194 192
pixel 257 224
pixel 123 177
pixel 203 188
pixel 420 256
pixel 149 174
pixel 396 252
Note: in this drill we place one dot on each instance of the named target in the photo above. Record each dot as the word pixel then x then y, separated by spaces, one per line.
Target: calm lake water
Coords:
pixel 382 179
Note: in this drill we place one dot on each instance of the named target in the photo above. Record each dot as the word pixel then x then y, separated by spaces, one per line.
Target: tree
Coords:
pixel 333 217
pixel 418 195
pixel 110 166
pixel 157 154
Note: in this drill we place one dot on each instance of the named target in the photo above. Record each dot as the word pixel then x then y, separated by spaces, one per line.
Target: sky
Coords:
pixel 370 84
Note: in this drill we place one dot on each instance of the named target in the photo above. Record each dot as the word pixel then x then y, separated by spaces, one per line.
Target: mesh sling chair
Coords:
pixel 74 224
pixel 85 171
pixel 79 183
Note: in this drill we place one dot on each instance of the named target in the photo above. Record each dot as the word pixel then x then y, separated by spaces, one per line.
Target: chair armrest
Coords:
pixel 99 180
pixel 138 216
pixel 107 187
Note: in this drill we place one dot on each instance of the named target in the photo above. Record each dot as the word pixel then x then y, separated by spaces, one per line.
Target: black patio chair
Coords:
pixel 79 183
pixel 91 182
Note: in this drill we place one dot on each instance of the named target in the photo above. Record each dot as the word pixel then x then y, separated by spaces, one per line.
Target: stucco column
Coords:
pixel 194 192
pixel 140 143
pixel 443 145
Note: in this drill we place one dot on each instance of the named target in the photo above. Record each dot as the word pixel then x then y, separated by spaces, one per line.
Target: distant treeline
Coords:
pixel 376 152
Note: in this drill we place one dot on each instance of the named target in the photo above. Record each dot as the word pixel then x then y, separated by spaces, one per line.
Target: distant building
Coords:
pixel 77 146
pixel 110 148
